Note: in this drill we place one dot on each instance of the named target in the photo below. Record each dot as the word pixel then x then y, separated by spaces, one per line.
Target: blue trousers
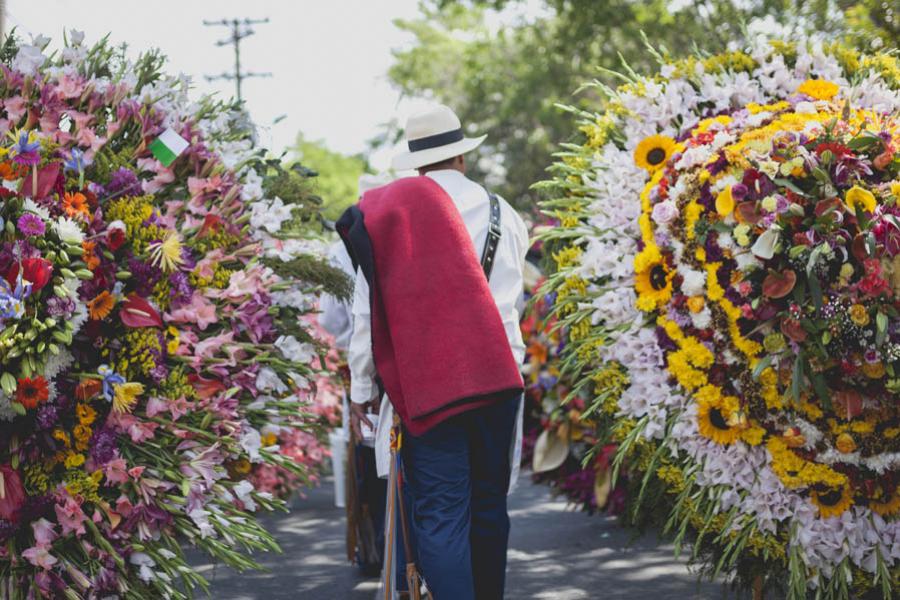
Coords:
pixel 457 477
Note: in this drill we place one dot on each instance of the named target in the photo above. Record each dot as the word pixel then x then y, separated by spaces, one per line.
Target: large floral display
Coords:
pixel 151 338
pixel 560 443
pixel 729 248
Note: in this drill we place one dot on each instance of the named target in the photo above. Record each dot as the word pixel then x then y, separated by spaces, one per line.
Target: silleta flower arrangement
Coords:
pixel 560 437
pixel 153 276
pixel 729 243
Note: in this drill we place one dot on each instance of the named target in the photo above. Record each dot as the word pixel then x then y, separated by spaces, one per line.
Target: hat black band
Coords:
pixel 434 141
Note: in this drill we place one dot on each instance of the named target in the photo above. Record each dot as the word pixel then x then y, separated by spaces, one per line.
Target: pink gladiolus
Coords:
pixel 116 471
pixel 12 494
pixel 70 516
pixel 40 556
pixel 200 312
pixel 44 532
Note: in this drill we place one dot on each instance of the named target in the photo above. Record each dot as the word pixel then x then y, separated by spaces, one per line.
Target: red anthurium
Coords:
pixel 779 285
pixel 849 403
pixel 12 493
pixel 748 212
pixel 137 312
pixel 36 271
pixel 46 179
pixel 793 329
pixel 211 224
pixel 206 388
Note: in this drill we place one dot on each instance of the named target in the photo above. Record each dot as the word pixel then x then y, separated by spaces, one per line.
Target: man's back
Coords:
pixel 471 199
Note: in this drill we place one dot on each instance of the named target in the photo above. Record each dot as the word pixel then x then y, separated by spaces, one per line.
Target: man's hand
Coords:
pixel 358 415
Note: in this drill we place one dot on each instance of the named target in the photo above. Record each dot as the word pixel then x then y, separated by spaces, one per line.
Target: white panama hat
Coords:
pixel 433 136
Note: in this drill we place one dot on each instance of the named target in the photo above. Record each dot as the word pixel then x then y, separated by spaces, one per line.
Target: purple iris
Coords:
pixel 26 153
pixel 77 161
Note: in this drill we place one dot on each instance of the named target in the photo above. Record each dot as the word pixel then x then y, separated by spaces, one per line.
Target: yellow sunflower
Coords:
pixel 719 418
pixel 653 152
pixel 653 284
pixel 890 506
pixel 833 501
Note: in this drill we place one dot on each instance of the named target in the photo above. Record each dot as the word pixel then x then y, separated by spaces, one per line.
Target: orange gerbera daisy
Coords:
pixel 90 258
pixel 76 205
pixel 31 392
pixel 101 305
pixel 9 171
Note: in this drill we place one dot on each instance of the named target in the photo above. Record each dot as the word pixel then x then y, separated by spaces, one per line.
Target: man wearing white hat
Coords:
pixel 436 327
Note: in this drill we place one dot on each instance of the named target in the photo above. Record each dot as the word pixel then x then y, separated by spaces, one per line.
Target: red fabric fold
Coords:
pixel 438 340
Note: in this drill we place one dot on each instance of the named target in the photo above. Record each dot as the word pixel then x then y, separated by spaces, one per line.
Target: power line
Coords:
pixel 240 28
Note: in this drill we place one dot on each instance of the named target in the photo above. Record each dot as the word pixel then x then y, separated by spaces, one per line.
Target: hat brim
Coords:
pixel 417 160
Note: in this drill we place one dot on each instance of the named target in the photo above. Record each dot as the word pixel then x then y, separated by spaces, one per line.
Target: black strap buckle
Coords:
pixel 493 237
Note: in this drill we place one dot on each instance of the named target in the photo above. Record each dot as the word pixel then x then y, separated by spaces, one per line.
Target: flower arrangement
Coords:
pixel 150 325
pixel 728 249
pixel 559 435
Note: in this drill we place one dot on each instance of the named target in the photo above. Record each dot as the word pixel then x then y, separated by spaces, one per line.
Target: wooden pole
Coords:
pixel 758 588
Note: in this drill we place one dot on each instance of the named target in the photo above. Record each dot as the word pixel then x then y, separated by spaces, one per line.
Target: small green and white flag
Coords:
pixel 168 146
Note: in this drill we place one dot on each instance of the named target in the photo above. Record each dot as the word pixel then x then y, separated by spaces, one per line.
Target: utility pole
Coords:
pixel 240 28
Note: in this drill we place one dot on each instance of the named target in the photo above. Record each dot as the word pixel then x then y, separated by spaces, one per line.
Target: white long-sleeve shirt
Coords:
pixel 334 315
pixel 506 284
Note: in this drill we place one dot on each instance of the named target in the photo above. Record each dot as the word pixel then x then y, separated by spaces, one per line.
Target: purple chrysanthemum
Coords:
pixel 60 307
pixel 103 446
pixel 144 275
pixel 31 225
pixel 123 182
pixel 180 290
pixel 7 530
pixel 47 416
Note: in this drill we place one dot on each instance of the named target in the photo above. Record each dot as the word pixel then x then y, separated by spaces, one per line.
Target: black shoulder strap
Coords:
pixel 493 237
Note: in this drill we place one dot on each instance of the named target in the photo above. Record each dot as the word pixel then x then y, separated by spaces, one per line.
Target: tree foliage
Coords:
pixel 507 81
pixel 337 181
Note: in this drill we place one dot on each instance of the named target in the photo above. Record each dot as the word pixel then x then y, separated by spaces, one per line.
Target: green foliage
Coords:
pixel 337 178
pixel 507 82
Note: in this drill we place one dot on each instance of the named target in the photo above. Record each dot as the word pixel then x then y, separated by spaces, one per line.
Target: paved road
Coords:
pixel 555 554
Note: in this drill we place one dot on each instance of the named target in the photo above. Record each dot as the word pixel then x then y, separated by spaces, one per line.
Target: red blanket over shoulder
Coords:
pixel 438 341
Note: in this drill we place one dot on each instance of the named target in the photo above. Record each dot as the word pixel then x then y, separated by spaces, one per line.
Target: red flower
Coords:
pixel 793 329
pixel 137 312
pixel 31 392
pixel 36 271
pixel 12 493
pixel 115 237
pixel 838 150
pixel 873 284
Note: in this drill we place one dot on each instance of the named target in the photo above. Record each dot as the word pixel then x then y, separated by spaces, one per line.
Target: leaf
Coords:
pixel 761 365
pixel 791 186
pixel 822 391
pixel 881 324
pixel 796 376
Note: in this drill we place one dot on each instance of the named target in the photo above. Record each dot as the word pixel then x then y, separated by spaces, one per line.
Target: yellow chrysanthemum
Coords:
pixel 167 254
pixel 125 396
pixel 653 152
pixel 819 89
pixel 832 502
pixel 715 415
